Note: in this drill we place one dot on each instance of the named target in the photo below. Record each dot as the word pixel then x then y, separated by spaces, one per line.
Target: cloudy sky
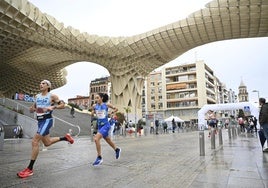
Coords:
pixel 232 60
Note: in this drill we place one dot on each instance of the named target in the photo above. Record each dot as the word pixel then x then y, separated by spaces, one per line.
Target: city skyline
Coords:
pixel 231 60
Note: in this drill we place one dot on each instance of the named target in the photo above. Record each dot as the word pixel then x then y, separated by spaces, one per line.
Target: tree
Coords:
pixel 120 117
pixel 241 113
pixel 127 110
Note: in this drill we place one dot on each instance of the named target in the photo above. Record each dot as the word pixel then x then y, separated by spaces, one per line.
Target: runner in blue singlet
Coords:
pixel 100 108
pixel 44 105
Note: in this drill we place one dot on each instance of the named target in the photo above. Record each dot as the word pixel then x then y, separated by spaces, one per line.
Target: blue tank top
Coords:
pixel 101 111
pixel 42 102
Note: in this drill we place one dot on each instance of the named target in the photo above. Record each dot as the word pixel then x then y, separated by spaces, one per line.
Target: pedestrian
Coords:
pixel 100 108
pixel 44 104
pixel 173 125
pixel 212 121
pixel 165 126
pixel 72 112
pixel 226 123
pixel 254 119
pixel 241 123
pixel 156 126
pixel 112 120
pixel 152 127
pixel 263 117
pixel 140 127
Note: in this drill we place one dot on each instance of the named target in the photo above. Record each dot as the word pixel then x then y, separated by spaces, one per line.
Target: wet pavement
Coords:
pixel 164 160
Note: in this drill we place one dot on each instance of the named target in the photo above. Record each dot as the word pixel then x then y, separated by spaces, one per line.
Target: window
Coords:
pixel 183 78
pixel 191 77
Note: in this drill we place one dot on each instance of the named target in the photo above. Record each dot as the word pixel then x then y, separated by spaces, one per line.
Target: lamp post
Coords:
pixel 136 127
pixel 256 91
pixel 139 86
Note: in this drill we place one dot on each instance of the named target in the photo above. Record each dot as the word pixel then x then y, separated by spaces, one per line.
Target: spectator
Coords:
pixel 173 125
pixel 212 121
pixel 72 112
pixel 254 119
pixel 241 123
pixel 156 126
pixel 263 118
pixel 165 126
pixel 152 127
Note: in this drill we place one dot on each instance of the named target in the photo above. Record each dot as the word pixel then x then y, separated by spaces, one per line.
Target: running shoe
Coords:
pixel 69 138
pixel 25 173
pixel 98 161
pixel 117 153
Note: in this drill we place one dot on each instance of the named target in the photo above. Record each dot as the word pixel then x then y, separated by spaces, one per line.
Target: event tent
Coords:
pixel 176 118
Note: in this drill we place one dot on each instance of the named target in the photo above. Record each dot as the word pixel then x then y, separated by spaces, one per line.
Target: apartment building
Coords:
pixel 82 101
pixel 99 85
pixel 179 90
pixel 182 90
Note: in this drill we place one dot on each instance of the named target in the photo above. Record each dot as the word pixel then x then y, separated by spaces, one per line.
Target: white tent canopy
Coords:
pixel 227 106
pixel 176 118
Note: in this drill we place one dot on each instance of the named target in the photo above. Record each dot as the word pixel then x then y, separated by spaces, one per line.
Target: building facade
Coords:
pixel 182 90
pixel 179 90
pixel 82 101
pixel 242 92
pixel 99 85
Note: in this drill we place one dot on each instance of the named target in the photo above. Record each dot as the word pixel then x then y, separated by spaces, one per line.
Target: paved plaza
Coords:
pixel 170 160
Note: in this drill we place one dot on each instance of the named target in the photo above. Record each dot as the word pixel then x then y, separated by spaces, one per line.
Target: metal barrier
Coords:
pixel 202 142
pixel 212 138
pixel 232 133
pixel 229 132
pixel 11 115
pixel 220 136
pixel 72 125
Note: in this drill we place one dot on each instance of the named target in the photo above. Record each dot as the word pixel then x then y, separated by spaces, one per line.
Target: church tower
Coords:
pixel 242 93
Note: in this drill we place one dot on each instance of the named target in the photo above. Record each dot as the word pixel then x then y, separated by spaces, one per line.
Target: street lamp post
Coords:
pixel 136 127
pixel 256 91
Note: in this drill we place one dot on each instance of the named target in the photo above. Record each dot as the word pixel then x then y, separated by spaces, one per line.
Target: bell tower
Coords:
pixel 242 92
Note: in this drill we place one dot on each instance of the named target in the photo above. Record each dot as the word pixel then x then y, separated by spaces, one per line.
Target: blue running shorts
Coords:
pixel 104 129
pixel 44 126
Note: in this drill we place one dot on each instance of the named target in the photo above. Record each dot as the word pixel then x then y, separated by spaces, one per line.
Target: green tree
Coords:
pixel 120 117
pixel 127 110
pixel 241 113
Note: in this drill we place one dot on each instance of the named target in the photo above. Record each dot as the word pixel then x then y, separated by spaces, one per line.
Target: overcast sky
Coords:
pixel 232 60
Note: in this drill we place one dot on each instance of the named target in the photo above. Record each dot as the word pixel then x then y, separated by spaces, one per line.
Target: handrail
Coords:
pixel 3 102
pixel 77 126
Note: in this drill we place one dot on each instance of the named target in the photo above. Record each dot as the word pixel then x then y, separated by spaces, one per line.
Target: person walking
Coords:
pixel 254 119
pixel 156 126
pixel 241 123
pixel 165 127
pixel 173 125
pixel 100 108
pixel 212 122
pixel 112 120
pixel 44 104
pixel 263 118
pixel 72 112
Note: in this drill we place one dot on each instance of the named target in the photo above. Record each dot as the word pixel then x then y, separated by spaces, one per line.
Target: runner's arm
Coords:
pixel 56 103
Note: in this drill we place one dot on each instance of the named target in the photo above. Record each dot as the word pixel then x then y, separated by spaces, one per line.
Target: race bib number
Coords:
pixel 101 114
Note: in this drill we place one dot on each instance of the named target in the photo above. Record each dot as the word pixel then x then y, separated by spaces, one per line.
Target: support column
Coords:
pixel 127 92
